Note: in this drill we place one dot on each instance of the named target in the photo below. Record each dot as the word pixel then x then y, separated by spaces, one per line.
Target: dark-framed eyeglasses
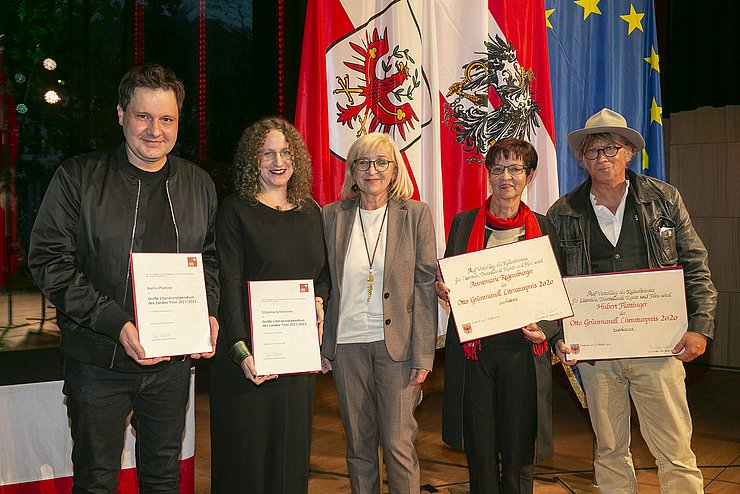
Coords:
pixel 609 152
pixel 380 164
pixel 270 156
pixel 513 169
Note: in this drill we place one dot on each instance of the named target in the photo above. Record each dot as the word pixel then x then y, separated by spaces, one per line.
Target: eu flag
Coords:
pixel 605 54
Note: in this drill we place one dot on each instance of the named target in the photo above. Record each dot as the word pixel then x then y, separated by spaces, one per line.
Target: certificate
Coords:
pixel 285 338
pixel 170 303
pixel 504 288
pixel 623 315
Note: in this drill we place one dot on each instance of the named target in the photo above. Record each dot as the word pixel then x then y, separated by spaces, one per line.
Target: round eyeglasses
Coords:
pixel 270 156
pixel 609 152
pixel 380 165
pixel 513 169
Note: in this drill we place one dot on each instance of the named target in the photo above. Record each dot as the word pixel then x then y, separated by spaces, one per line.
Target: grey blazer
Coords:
pixel 409 299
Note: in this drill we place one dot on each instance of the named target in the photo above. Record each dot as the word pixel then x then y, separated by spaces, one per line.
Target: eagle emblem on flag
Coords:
pixel 467 111
pixel 379 93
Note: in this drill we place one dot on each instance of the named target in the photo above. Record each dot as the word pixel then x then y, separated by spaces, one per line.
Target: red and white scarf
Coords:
pixel 524 217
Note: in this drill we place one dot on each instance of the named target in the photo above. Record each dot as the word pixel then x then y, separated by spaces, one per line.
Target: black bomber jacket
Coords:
pixel 92 216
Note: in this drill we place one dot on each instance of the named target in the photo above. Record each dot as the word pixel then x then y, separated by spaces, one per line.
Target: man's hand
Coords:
pixel 418 376
pixel 692 343
pixel 562 351
pixel 325 365
pixel 129 338
pixel 213 323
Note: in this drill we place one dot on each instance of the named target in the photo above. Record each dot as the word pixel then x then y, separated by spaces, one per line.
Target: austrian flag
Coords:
pixel 445 78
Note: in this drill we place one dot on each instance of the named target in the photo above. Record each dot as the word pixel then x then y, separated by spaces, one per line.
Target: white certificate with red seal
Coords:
pixel 170 303
pixel 285 337
pixel 626 315
pixel 504 288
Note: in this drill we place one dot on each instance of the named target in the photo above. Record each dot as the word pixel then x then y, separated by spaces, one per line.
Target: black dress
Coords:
pixel 261 435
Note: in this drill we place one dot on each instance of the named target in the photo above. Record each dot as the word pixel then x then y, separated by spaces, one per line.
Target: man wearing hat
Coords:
pixel 618 220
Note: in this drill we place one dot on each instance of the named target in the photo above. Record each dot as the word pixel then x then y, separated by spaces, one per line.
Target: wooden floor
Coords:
pixel 713 399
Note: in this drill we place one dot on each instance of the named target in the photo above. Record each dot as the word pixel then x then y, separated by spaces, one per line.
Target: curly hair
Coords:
pixel 248 155
pixel 151 77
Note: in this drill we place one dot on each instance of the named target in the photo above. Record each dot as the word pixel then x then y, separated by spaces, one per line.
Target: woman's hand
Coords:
pixel 325 365
pixel 319 302
pixel 562 351
pixel 251 373
pixel 442 291
pixel 534 333
pixel 418 376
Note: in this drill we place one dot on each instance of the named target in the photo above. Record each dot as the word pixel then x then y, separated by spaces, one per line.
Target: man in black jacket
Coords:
pixel 98 208
pixel 616 221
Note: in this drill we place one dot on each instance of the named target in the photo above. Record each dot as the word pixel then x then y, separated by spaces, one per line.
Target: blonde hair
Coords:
pixel 401 187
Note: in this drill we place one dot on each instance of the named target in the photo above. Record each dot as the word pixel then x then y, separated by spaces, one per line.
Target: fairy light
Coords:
pixel 52 97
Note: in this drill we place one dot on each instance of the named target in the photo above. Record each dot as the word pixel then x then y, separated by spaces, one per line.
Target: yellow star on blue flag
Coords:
pixel 605 55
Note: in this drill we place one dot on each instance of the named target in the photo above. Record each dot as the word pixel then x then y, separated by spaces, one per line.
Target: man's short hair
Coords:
pixel 150 76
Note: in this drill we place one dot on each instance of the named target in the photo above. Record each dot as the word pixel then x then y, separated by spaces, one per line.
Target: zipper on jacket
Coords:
pixel 172 213
pixel 128 265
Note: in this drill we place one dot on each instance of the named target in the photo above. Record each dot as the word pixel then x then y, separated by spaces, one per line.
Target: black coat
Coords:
pixel 91 218
pixel 452 411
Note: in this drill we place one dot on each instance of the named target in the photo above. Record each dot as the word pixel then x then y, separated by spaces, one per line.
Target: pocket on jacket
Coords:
pixel 571 255
pixel 663 235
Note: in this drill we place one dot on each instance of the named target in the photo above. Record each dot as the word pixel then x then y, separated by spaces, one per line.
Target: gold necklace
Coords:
pixel 371 260
pixel 284 207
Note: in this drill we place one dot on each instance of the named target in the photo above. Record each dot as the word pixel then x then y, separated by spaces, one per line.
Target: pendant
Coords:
pixel 370 280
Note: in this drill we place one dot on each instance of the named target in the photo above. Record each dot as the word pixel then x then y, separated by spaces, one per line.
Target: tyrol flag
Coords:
pixel 446 78
pixel 605 54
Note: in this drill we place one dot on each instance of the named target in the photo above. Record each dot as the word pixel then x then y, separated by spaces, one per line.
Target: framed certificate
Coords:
pixel 504 288
pixel 624 315
pixel 170 303
pixel 285 338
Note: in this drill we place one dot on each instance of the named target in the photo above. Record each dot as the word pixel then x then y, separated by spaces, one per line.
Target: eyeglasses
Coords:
pixel 270 156
pixel 609 152
pixel 380 165
pixel 513 169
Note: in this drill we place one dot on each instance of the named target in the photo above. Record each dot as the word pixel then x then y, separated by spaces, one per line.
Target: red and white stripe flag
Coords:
pixel 36 451
pixel 446 78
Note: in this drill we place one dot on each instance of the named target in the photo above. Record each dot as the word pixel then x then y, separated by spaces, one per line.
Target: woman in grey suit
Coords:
pixel 497 395
pixel 381 319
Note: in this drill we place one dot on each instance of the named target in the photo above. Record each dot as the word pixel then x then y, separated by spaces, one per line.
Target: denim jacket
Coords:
pixel 667 231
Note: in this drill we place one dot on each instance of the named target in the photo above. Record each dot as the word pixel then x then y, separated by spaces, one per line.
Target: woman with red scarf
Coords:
pixel 497 397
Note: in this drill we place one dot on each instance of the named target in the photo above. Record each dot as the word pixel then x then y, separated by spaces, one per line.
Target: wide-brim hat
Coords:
pixel 605 121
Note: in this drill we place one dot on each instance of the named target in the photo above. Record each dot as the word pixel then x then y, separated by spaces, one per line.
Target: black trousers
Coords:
pixel 500 418
pixel 99 401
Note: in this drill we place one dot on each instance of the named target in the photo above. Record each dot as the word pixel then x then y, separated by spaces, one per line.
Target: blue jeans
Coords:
pixel 98 402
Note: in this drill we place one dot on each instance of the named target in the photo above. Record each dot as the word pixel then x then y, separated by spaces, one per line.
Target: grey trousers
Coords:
pixel 377 407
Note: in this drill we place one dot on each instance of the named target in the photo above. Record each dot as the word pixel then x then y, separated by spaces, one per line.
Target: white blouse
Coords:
pixel 361 321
